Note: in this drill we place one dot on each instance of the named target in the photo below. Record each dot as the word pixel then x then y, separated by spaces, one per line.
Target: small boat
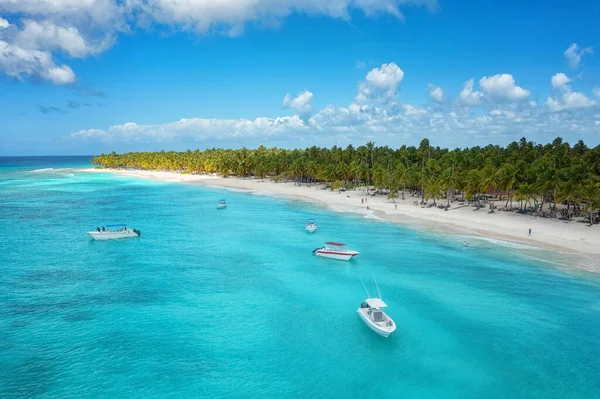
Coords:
pixel 335 250
pixel 222 204
pixel 113 232
pixel 374 317
pixel 311 225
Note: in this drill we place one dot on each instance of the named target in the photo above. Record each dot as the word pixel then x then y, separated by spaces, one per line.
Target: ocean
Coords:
pixel 232 303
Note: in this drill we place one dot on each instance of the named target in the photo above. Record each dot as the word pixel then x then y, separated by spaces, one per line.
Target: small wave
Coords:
pixel 503 243
pixel 53 170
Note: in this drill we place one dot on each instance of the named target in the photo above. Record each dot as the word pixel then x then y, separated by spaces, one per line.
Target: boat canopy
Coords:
pixel 221 200
pixel 311 220
pixel 335 244
pixel 375 303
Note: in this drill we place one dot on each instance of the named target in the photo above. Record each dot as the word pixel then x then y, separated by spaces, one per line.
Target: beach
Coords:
pixel 546 233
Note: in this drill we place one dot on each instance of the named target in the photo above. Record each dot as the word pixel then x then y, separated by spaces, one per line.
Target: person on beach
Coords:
pixel 530 231
pixel 396 206
pixel 362 200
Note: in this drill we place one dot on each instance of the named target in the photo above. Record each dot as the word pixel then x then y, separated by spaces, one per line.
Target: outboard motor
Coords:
pixel 136 231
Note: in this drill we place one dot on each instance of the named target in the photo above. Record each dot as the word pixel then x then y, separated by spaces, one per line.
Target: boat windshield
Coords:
pixel 115 227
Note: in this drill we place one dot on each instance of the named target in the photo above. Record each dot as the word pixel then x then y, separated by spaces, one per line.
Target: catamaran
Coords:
pixel 113 232
pixel 222 204
pixel 370 312
pixel 311 225
pixel 335 250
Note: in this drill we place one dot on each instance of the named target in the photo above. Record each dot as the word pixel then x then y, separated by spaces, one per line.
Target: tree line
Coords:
pixel 535 176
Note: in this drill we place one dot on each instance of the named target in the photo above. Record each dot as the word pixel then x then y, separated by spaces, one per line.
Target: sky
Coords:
pixel 92 76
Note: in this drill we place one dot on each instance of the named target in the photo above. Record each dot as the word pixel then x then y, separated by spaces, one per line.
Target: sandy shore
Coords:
pixel 548 233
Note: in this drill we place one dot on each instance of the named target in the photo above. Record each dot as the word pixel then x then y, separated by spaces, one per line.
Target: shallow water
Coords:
pixel 232 303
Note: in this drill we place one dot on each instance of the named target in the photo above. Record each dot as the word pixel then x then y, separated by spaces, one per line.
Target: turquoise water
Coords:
pixel 232 303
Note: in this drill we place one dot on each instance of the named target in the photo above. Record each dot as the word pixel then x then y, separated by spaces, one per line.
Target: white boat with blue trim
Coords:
pixel 311 225
pixel 221 204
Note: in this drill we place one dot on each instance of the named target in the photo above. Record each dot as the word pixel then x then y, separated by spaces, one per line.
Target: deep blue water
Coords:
pixel 232 303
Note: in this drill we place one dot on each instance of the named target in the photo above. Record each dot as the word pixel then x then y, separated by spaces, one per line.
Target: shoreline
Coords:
pixel 569 237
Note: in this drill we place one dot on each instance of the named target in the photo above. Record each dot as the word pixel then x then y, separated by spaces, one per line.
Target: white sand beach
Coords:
pixel 509 226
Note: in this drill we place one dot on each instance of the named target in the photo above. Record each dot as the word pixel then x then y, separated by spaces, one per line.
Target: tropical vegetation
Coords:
pixel 550 180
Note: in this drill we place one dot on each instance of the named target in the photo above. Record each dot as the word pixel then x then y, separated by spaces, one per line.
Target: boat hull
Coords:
pixel 336 255
pixel 109 235
pixel 221 206
pixel 382 331
pixel 311 229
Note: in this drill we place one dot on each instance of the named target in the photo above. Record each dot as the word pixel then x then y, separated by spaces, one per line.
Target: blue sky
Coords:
pixel 83 77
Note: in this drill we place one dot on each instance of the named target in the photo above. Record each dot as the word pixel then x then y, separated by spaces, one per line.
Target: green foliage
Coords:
pixel 523 171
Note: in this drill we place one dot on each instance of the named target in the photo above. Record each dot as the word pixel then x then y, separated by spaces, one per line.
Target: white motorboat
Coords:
pixel 113 232
pixel 222 204
pixel 374 317
pixel 311 225
pixel 335 250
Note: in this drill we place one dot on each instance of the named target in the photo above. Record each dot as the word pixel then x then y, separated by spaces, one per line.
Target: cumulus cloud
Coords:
pixel 18 63
pixel 468 96
pixel 380 84
pixel 574 54
pixel 569 101
pixel 301 103
pixel 559 81
pixel 49 36
pixel 596 91
pixel 502 87
pixel 436 93
pixel 197 129
pixel 80 28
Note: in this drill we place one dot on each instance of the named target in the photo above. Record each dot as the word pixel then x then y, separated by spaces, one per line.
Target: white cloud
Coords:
pixel 468 96
pixel 569 101
pixel 18 63
pixel 502 87
pixel 197 129
pixel 49 36
pixel 596 91
pixel 81 28
pixel 574 54
pixel 559 81
pixel 301 103
pixel 436 93
pixel 380 84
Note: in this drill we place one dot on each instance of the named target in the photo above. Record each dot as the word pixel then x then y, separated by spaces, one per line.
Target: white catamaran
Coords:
pixel 113 232
pixel 370 312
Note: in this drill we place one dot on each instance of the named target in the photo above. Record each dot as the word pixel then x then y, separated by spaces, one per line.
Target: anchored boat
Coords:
pixel 113 232
pixel 335 250
pixel 311 225
pixel 371 313
pixel 222 204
